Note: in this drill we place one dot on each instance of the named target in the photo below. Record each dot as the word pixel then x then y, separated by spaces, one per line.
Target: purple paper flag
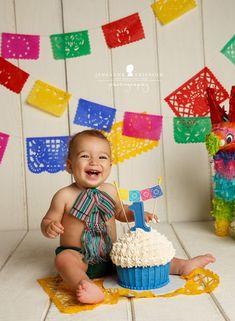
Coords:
pixel 20 46
pixel 94 115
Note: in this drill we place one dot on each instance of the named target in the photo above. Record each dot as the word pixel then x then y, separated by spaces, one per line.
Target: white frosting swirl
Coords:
pixel 142 249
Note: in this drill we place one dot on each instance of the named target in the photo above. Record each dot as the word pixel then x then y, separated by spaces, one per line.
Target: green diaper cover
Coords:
pixel 94 271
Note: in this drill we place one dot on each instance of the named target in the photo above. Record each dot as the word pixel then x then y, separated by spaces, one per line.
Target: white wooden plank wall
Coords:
pixel 180 46
pixel 12 180
pixel 174 53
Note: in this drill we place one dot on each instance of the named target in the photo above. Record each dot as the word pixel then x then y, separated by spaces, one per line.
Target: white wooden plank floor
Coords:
pixel 25 258
pixel 9 241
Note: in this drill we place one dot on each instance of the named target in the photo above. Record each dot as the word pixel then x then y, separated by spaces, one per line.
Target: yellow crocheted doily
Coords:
pixel 198 281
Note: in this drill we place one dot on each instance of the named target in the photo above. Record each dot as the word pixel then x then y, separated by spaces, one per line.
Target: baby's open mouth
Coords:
pixel 92 173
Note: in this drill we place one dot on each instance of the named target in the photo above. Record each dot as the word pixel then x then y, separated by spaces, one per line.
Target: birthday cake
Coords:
pixel 142 259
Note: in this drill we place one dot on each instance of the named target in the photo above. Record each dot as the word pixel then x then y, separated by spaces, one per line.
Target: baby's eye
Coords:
pixel 229 138
pixel 84 156
pixel 103 157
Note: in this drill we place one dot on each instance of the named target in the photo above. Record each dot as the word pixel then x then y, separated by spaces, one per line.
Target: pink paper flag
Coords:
pixel 20 46
pixel 146 194
pixel 142 125
pixel 3 144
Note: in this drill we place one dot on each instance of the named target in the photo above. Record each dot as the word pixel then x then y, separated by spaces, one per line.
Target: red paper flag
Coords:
pixel 11 76
pixel 123 31
pixel 190 99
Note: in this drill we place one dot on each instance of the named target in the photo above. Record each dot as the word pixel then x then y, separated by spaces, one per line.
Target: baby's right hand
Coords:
pixel 54 229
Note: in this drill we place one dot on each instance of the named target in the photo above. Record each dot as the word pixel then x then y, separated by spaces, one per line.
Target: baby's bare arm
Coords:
pixel 51 223
pixel 123 214
pixel 129 215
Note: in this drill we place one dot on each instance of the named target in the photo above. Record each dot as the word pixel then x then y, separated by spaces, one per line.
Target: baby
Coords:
pixel 83 214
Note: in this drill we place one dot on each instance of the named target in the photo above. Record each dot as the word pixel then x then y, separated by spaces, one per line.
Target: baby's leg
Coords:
pixel 184 267
pixel 72 269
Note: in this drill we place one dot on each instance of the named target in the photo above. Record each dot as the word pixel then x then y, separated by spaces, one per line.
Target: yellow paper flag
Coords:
pixel 48 98
pixel 124 194
pixel 124 147
pixel 197 282
pixel 168 10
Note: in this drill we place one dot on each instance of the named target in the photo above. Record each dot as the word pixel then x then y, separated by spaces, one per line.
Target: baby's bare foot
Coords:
pixel 196 262
pixel 89 292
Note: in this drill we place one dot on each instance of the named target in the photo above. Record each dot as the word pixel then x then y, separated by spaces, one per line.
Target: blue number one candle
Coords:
pixel 138 209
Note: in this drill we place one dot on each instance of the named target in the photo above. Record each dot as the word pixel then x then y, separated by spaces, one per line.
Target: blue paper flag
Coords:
pixel 47 154
pixel 156 191
pixel 94 115
pixel 134 196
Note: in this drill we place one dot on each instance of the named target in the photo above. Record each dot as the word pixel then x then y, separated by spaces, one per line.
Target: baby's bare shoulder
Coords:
pixel 66 192
pixel 109 189
pixel 65 197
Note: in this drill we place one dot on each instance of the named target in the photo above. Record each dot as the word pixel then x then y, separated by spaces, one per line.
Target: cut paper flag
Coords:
pixel 134 196
pixel 70 45
pixel 197 282
pixel 137 195
pixel 124 147
pixel 229 50
pixel 94 115
pixel 142 125
pixel 11 76
pixel 156 191
pixel 3 144
pixel 146 194
pixel 191 129
pixel 124 194
pixel 47 154
pixel 48 98
pixel 190 99
pixel 123 31
pixel 20 46
pixel 168 10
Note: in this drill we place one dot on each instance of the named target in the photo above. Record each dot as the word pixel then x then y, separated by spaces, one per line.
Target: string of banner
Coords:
pixel 54 101
pixel 140 195
pixel 74 44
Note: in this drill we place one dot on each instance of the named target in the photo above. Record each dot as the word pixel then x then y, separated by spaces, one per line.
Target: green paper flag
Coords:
pixel 229 50
pixel 191 129
pixel 70 45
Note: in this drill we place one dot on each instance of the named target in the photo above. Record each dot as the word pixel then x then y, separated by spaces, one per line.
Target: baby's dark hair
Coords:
pixel 87 132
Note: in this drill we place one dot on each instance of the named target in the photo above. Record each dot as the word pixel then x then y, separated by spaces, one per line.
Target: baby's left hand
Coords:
pixel 150 217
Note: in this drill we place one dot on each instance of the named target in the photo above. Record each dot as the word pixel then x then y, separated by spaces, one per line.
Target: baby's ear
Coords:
pixel 68 166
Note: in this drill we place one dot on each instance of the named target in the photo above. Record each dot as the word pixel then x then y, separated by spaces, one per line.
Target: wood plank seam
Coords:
pixel 216 302
pixel 14 250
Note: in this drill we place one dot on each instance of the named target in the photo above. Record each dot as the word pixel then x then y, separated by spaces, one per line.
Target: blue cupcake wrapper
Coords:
pixel 143 278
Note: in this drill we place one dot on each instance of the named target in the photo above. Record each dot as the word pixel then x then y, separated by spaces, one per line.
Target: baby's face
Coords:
pixel 90 161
